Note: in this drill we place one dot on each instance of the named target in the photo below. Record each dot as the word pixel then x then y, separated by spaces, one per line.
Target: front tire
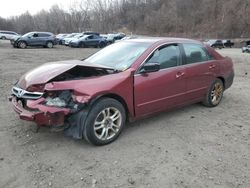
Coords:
pixel 214 94
pixel 81 45
pixel 105 122
pixel 22 45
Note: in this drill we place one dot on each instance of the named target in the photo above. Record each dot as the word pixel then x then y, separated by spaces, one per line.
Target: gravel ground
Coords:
pixel 190 147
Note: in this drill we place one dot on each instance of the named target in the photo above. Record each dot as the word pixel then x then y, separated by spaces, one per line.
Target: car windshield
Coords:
pixel 119 56
pixel 27 34
pixel 78 36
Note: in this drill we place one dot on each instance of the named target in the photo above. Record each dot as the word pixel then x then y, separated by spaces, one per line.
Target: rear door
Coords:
pixel 163 89
pixel 201 70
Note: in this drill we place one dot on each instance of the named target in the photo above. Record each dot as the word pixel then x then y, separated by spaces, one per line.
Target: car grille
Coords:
pixel 21 93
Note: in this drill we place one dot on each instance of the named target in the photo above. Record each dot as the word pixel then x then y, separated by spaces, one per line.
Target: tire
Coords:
pixel 81 45
pixel 22 45
pixel 102 45
pixel 49 44
pixel 3 38
pixel 104 122
pixel 214 94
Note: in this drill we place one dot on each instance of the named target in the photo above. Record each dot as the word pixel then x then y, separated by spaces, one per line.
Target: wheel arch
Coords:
pixel 113 96
pixel 223 80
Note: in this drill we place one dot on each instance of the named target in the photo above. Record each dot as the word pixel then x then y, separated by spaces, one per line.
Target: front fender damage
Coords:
pixel 78 111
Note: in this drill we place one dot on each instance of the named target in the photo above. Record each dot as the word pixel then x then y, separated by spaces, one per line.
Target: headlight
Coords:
pixel 57 102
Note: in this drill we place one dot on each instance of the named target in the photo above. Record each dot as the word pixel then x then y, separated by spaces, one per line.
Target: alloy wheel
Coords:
pixel 217 93
pixel 107 123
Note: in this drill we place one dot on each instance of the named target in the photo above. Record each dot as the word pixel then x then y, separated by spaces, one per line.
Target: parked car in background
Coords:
pixel 228 43
pixel 60 37
pixel 129 37
pixel 246 49
pixel 8 35
pixel 128 80
pixel 215 43
pixel 44 39
pixel 90 33
pixel 69 37
pixel 110 38
pixel 119 36
pixel 89 41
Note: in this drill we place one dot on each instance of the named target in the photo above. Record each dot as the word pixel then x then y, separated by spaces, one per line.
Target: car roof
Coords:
pixel 42 32
pixel 153 40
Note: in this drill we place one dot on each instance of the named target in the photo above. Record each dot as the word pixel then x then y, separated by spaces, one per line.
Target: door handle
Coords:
pixel 212 66
pixel 180 74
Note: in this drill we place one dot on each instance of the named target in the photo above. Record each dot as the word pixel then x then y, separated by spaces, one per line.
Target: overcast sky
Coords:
pixel 16 7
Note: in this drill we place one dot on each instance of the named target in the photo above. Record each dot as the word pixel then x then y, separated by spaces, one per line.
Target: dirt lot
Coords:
pixel 190 147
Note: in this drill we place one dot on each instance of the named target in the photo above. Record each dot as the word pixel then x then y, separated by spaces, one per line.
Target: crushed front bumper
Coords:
pixel 35 111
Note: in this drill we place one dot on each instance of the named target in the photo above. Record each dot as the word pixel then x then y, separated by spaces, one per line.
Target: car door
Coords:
pixel 33 39
pixel 90 40
pixel 201 70
pixel 163 89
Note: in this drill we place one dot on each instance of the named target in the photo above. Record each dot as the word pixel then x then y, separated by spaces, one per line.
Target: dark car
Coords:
pixel 215 43
pixel 44 39
pixel 88 41
pixel 91 33
pixel 126 81
pixel 228 43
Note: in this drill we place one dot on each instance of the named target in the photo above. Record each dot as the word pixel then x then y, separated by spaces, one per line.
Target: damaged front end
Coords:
pixel 51 108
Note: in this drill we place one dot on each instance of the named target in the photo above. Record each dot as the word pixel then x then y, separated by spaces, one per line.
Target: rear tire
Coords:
pixel 214 94
pixel 102 45
pixel 105 121
pixel 81 45
pixel 3 38
pixel 49 44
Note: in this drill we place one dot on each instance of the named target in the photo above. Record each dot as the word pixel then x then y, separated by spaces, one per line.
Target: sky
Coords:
pixel 10 8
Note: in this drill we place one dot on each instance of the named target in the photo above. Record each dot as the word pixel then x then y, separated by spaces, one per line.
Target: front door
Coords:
pixel 163 89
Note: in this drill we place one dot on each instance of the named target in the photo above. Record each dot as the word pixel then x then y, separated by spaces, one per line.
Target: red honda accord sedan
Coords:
pixel 93 98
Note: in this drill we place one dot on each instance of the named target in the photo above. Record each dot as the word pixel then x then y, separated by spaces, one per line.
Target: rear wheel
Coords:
pixel 215 94
pixel 22 45
pixel 3 38
pixel 105 122
pixel 101 45
pixel 49 44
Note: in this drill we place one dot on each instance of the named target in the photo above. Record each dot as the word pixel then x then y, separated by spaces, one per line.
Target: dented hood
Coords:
pixel 48 71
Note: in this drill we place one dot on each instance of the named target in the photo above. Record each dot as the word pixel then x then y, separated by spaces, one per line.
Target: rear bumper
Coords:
pixel 38 113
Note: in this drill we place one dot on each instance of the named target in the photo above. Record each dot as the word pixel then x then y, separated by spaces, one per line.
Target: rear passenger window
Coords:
pixel 195 53
pixel 43 35
pixel 167 56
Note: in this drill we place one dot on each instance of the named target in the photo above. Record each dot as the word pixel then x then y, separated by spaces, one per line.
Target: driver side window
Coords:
pixel 166 56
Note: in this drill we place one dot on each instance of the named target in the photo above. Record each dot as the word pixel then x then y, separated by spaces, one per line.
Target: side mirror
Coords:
pixel 150 67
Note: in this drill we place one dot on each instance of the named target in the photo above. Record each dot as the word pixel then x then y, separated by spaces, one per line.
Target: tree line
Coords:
pixel 182 18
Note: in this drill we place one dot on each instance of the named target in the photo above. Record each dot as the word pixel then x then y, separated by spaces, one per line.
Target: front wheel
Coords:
pixel 214 94
pixel 81 45
pixel 105 122
pixel 22 44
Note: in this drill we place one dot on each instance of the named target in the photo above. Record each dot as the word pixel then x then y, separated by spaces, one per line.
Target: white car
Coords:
pixel 8 35
pixel 246 49
pixel 67 39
